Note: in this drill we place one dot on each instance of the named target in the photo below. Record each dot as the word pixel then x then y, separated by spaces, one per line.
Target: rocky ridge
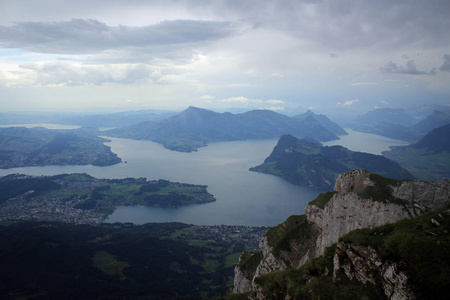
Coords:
pixel 361 200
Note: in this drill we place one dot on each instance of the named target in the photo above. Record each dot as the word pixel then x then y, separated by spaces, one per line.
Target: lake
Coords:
pixel 365 142
pixel 243 197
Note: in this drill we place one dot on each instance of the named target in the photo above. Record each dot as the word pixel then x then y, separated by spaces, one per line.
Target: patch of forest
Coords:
pixel 115 261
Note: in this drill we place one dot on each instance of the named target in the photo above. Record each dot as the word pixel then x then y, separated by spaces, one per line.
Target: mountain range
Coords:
pixel 398 124
pixel 196 127
pixel 324 121
pixel 306 162
pixel 428 159
pixel 97 120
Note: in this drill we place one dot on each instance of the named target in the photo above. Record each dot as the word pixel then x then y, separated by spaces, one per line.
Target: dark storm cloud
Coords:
pixel 446 65
pixel 410 68
pixel 80 36
pixel 350 24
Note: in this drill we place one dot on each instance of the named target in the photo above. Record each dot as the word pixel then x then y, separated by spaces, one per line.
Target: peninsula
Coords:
pixel 306 162
pixel 82 199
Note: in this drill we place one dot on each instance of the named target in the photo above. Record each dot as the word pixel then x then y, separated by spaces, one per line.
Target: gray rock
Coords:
pixel 365 265
pixel 347 211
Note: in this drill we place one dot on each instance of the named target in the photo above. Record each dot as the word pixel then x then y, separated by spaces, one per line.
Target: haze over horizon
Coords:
pixel 346 56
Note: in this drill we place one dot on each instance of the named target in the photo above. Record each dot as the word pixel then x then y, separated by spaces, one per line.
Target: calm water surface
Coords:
pixel 365 142
pixel 243 197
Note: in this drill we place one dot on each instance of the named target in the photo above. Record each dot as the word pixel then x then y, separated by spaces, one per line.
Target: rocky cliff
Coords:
pixel 360 200
pixel 365 265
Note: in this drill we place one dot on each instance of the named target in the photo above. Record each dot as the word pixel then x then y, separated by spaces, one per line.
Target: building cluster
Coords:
pixel 48 208
pixel 248 235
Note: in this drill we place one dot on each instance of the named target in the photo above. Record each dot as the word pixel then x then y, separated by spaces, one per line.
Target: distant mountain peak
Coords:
pixel 195 111
pixel 323 120
pixel 439 113
pixel 194 108
pixel 435 120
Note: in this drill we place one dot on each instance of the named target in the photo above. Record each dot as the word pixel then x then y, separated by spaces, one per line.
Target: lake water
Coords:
pixel 365 142
pixel 243 197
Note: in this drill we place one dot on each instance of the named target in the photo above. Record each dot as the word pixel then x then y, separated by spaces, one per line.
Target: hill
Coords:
pixel 435 120
pixel 387 115
pixel 306 162
pixel 388 122
pixel 397 124
pixel 196 127
pixel 428 159
pixel 22 147
pixel 324 121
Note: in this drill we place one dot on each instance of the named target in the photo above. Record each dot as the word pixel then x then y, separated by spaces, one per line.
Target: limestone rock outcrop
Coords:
pixel 366 266
pixel 366 200
pixel 361 200
pixel 241 282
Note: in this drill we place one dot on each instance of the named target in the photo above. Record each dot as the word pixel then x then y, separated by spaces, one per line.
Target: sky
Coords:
pixel 113 55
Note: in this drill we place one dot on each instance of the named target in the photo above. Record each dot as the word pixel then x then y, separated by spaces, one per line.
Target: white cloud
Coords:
pixel 276 108
pixel 246 101
pixel 207 97
pixel 242 100
pixel 279 75
pixel 364 83
pixel 348 102
pixel 239 85
pixel 273 101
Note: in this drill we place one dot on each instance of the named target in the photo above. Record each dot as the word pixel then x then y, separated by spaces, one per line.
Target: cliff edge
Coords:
pixel 360 200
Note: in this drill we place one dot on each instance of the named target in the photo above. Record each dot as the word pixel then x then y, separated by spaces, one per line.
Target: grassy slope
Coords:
pixel 428 159
pixel 421 163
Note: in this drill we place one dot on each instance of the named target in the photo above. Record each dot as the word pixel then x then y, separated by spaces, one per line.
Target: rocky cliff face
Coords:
pixel 361 200
pixel 366 200
pixel 365 265
pixel 241 282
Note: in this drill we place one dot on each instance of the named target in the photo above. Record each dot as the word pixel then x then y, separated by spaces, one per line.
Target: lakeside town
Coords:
pixel 52 209
pixel 81 199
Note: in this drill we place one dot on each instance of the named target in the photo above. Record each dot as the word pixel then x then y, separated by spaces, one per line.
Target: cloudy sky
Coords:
pixel 118 55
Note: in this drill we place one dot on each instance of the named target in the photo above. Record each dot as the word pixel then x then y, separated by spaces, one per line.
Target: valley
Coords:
pixel 116 212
